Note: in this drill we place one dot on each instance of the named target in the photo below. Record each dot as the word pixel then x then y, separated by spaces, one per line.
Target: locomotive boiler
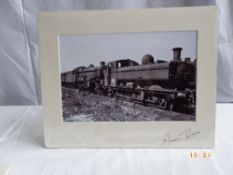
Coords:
pixel 174 74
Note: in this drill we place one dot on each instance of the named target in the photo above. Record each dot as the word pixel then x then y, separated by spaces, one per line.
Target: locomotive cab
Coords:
pixel 126 63
pixel 112 70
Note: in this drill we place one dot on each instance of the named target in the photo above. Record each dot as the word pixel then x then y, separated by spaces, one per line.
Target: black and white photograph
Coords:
pixel 129 77
pixel 131 80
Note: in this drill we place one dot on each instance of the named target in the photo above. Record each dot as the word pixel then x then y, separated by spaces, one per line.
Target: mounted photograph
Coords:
pixel 132 80
pixel 124 77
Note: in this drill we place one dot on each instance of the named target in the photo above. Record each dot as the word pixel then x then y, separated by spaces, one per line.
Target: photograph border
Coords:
pixel 160 134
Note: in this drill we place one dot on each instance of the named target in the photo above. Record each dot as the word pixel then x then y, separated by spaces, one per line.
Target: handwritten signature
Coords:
pixel 183 135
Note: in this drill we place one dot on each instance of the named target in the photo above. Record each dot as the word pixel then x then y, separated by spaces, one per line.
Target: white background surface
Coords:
pixel 21 134
pixel 19 63
pixel 22 149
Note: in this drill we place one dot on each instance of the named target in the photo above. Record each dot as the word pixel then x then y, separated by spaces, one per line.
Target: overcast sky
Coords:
pixel 83 50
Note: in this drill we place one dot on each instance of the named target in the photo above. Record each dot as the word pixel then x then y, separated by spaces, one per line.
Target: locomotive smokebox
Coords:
pixel 102 64
pixel 177 53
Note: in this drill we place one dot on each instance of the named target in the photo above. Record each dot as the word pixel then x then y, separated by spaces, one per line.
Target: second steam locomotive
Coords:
pixel 168 85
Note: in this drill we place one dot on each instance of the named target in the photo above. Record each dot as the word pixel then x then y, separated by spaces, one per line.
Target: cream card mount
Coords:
pixel 129 78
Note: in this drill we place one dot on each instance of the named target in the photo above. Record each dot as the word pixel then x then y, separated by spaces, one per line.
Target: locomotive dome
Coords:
pixel 147 59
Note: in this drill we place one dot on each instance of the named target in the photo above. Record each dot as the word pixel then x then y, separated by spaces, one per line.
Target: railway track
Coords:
pixel 95 107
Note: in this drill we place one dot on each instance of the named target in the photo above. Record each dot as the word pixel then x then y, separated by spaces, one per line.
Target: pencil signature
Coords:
pixel 183 135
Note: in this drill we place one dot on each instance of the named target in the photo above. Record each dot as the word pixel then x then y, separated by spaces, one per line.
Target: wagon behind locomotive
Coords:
pixel 68 79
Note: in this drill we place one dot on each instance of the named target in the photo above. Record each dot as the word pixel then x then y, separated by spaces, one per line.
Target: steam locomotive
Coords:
pixel 168 85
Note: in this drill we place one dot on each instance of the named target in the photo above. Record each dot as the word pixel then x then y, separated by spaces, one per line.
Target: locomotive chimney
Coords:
pixel 187 60
pixel 177 53
pixel 102 64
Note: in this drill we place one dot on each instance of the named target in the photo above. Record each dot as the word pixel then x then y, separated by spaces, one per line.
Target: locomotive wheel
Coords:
pixel 169 106
pixel 179 105
pixel 166 104
pixel 163 103
pixel 110 93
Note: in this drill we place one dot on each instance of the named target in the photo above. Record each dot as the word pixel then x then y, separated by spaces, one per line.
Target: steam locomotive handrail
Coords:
pixel 144 67
pixel 86 71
